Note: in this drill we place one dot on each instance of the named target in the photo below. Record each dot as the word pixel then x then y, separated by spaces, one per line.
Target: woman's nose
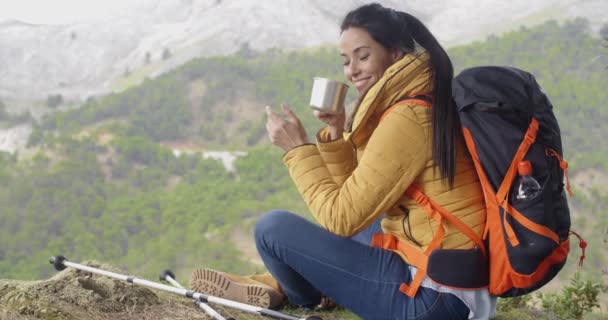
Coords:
pixel 353 69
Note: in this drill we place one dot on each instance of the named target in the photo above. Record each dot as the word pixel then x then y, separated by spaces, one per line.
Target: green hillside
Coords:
pixel 104 184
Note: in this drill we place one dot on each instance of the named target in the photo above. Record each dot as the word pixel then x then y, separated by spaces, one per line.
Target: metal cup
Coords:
pixel 328 95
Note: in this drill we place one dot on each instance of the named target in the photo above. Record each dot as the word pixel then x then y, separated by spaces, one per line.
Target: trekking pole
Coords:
pixel 60 263
pixel 168 276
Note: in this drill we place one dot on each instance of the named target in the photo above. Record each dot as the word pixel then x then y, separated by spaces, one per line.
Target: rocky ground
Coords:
pixel 73 295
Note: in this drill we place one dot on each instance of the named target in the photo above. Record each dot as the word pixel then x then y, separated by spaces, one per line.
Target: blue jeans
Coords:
pixel 308 260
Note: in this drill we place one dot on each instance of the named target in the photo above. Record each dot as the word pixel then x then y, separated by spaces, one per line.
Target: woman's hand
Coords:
pixel 285 133
pixel 334 121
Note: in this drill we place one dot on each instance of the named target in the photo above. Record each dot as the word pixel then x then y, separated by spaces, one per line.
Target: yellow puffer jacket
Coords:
pixel 348 183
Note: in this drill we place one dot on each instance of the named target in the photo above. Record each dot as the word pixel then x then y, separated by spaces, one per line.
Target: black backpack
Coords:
pixel 506 119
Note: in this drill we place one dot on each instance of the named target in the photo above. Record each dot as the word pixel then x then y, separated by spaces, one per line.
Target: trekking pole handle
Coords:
pixel 166 273
pixel 57 262
pixel 168 276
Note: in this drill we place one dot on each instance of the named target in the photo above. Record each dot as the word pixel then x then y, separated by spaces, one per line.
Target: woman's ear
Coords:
pixel 397 55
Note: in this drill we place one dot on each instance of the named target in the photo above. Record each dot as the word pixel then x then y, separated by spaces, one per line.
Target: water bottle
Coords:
pixel 527 187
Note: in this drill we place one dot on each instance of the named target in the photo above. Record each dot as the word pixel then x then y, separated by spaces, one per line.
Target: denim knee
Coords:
pixel 270 225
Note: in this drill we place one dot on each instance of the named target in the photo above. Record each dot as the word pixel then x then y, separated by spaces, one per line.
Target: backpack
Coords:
pixel 506 118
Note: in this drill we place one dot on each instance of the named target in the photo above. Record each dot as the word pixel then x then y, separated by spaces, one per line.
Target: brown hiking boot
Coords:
pixel 236 288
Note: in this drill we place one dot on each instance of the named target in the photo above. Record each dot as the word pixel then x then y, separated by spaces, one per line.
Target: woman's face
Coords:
pixel 365 60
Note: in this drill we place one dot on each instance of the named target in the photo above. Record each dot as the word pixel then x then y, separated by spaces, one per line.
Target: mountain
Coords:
pixel 151 37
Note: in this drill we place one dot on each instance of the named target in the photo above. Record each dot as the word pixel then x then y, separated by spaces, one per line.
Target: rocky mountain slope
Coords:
pixel 84 59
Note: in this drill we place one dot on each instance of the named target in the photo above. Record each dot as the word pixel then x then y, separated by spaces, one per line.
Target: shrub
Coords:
pixel 54 100
pixel 575 300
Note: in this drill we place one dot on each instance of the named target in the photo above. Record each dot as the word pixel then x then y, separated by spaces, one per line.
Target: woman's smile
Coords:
pixel 361 83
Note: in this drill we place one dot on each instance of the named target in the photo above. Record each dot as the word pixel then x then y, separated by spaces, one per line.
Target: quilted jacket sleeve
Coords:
pixel 395 154
pixel 339 156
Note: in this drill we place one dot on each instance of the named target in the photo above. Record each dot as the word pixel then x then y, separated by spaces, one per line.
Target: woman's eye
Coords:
pixel 364 57
pixel 345 63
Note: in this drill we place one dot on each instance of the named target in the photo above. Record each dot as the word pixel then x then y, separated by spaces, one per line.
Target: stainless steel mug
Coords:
pixel 328 95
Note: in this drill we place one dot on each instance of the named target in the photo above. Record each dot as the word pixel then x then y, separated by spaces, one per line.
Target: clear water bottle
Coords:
pixel 527 187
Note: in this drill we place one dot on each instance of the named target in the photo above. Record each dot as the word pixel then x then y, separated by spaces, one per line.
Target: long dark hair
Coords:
pixel 396 30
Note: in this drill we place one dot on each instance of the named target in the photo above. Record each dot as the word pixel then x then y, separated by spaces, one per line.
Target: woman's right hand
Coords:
pixel 334 121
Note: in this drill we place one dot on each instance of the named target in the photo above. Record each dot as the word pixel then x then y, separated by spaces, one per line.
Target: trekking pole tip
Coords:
pixel 313 318
pixel 57 262
pixel 163 275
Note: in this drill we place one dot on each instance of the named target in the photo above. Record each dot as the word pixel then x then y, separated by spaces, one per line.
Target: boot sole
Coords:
pixel 217 284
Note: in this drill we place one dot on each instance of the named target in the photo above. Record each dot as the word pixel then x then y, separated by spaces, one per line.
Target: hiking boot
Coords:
pixel 326 304
pixel 236 288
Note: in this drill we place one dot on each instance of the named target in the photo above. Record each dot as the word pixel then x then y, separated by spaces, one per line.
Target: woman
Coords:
pixel 350 179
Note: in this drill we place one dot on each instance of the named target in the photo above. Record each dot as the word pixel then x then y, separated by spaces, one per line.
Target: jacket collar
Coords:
pixel 408 77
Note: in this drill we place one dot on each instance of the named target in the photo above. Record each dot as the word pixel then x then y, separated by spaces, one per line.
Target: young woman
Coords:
pixel 356 175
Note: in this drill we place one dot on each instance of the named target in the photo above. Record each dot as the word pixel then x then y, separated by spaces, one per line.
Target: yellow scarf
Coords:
pixel 408 77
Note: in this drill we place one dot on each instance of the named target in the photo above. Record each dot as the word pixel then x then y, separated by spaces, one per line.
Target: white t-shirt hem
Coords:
pixel 481 304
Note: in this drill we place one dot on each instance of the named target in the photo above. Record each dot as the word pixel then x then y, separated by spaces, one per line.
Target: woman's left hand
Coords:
pixel 285 133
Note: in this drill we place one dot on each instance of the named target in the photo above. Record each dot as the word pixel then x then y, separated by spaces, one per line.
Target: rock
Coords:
pixel 72 294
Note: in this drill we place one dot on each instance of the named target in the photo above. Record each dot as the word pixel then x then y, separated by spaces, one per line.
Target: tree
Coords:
pixel 245 51
pixel 35 137
pixel 604 35
pixel 54 100
pixel 3 113
pixel 148 58
pixel 166 54
pixel 604 32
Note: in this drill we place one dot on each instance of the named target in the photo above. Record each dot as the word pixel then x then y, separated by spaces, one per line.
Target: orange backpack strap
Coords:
pixel 420 100
pixel 412 253
pixel 529 138
pixel 414 192
pixel 563 164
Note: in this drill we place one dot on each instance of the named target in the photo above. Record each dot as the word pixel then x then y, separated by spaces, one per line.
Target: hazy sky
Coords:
pixel 60 11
